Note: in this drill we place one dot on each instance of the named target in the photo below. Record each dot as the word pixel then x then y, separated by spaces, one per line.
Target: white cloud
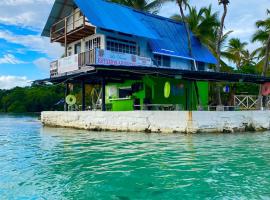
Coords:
pixel 25 13
pixel 42 63
pixel 33 43
pixel 10 59
pixel 8 82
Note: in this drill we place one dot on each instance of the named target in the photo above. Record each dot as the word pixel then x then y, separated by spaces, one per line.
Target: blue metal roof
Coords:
pixel 165 35
pixel 114 17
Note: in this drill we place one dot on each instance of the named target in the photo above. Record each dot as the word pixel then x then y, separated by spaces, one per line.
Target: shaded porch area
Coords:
pixel 185 85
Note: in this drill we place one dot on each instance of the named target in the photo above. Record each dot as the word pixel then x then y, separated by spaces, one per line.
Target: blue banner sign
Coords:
pixel 106 57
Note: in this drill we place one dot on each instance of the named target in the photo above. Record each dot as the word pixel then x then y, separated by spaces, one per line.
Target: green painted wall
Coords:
pixel 153 93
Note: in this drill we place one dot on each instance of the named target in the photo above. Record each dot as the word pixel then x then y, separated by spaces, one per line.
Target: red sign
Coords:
pixel 266 89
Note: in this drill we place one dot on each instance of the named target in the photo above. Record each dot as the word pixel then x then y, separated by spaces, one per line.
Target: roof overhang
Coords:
pixel 120 73
pixel 60 9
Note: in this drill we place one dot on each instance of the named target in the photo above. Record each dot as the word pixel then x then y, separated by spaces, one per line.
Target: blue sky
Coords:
pixel 25 55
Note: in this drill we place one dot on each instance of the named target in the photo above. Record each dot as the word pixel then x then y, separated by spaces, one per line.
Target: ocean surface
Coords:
pixel 49 163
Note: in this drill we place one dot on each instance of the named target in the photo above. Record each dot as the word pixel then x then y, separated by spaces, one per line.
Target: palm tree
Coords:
pixel 262 35
pixel 143 5
pixel 235 51
pixel 218 42
pixel 248 58
pixel 202 23
pixel 182 4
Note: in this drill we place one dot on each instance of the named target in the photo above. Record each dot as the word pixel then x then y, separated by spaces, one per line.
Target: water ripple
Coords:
pixel 48 163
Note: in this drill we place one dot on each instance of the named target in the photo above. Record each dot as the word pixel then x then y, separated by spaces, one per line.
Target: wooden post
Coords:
pixel 189 96
pixel 103 85
pixel 66 94
pixel 65 37
pixel 83 95
pixel 198 95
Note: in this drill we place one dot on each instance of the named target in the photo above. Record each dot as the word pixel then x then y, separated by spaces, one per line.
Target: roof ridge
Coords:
pixel 144 12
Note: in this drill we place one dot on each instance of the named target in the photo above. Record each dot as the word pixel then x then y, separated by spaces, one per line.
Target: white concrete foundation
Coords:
pixel 161 121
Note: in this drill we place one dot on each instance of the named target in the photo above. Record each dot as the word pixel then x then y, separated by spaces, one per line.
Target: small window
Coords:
pixel 87 45
pixel 162 61
pixel 201 66
pixel 158 59
pixel 125 92
pixel 77 48
pixel 122 46
pixel 166 61
pixel 94 43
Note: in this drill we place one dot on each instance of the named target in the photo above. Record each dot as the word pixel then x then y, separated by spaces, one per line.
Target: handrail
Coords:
pixel 84 59
pixel 63 19
pixel 59 28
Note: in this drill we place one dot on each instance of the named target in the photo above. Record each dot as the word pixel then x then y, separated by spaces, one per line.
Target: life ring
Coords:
pixel 167 90
pixel 71 100
pixel 266 89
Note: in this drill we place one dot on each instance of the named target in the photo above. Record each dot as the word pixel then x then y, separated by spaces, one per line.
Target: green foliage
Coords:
pixel 31 99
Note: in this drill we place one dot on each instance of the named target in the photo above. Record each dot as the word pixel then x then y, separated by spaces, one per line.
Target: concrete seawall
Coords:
pixel 161 121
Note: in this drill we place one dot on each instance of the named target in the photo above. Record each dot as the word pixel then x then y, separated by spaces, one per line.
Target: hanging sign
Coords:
pixel 71 100
pixel 167 90
pixel 266 89
pixel 68 64
pixel 226 89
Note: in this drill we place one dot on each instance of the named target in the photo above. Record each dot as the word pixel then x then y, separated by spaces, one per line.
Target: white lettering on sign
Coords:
pixel 68 64
pixel 106 57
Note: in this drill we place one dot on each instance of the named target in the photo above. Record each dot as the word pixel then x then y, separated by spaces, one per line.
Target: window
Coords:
pixel 122 46
pixel 125 92
pixel 200 66
pixel 163 61
pixel 93 43
pixel 77 48
pixel 158 59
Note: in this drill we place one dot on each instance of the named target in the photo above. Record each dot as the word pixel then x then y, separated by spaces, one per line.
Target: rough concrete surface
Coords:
pixel 161 121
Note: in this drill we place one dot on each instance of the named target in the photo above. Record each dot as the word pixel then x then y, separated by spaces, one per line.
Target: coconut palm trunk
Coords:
pixel 180 4
pixel 218 45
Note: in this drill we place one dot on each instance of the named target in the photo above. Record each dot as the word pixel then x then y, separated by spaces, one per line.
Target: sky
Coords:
pixel 25 55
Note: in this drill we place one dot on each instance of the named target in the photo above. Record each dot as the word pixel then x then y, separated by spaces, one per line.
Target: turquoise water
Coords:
pixel 48 163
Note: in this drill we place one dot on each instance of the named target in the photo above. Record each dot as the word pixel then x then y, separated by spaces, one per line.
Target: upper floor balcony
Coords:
pixel 72 28
pixel 79 62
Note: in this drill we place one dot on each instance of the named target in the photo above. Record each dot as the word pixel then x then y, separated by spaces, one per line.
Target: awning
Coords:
pixel 120 73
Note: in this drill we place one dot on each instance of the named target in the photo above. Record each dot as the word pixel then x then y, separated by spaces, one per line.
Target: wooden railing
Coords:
pixel 246 102
pixel 87 58
pixel 68 24
pixel 84 59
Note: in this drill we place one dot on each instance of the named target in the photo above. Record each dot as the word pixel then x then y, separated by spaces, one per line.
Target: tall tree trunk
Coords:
pixel 218 49
pixel 180 4
pixel 264 72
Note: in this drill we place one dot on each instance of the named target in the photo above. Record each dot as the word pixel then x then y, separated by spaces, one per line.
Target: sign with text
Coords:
pixel 106 57
pixel 68 64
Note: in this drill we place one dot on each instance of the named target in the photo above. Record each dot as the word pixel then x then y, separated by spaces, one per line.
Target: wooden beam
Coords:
pixel 65 37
